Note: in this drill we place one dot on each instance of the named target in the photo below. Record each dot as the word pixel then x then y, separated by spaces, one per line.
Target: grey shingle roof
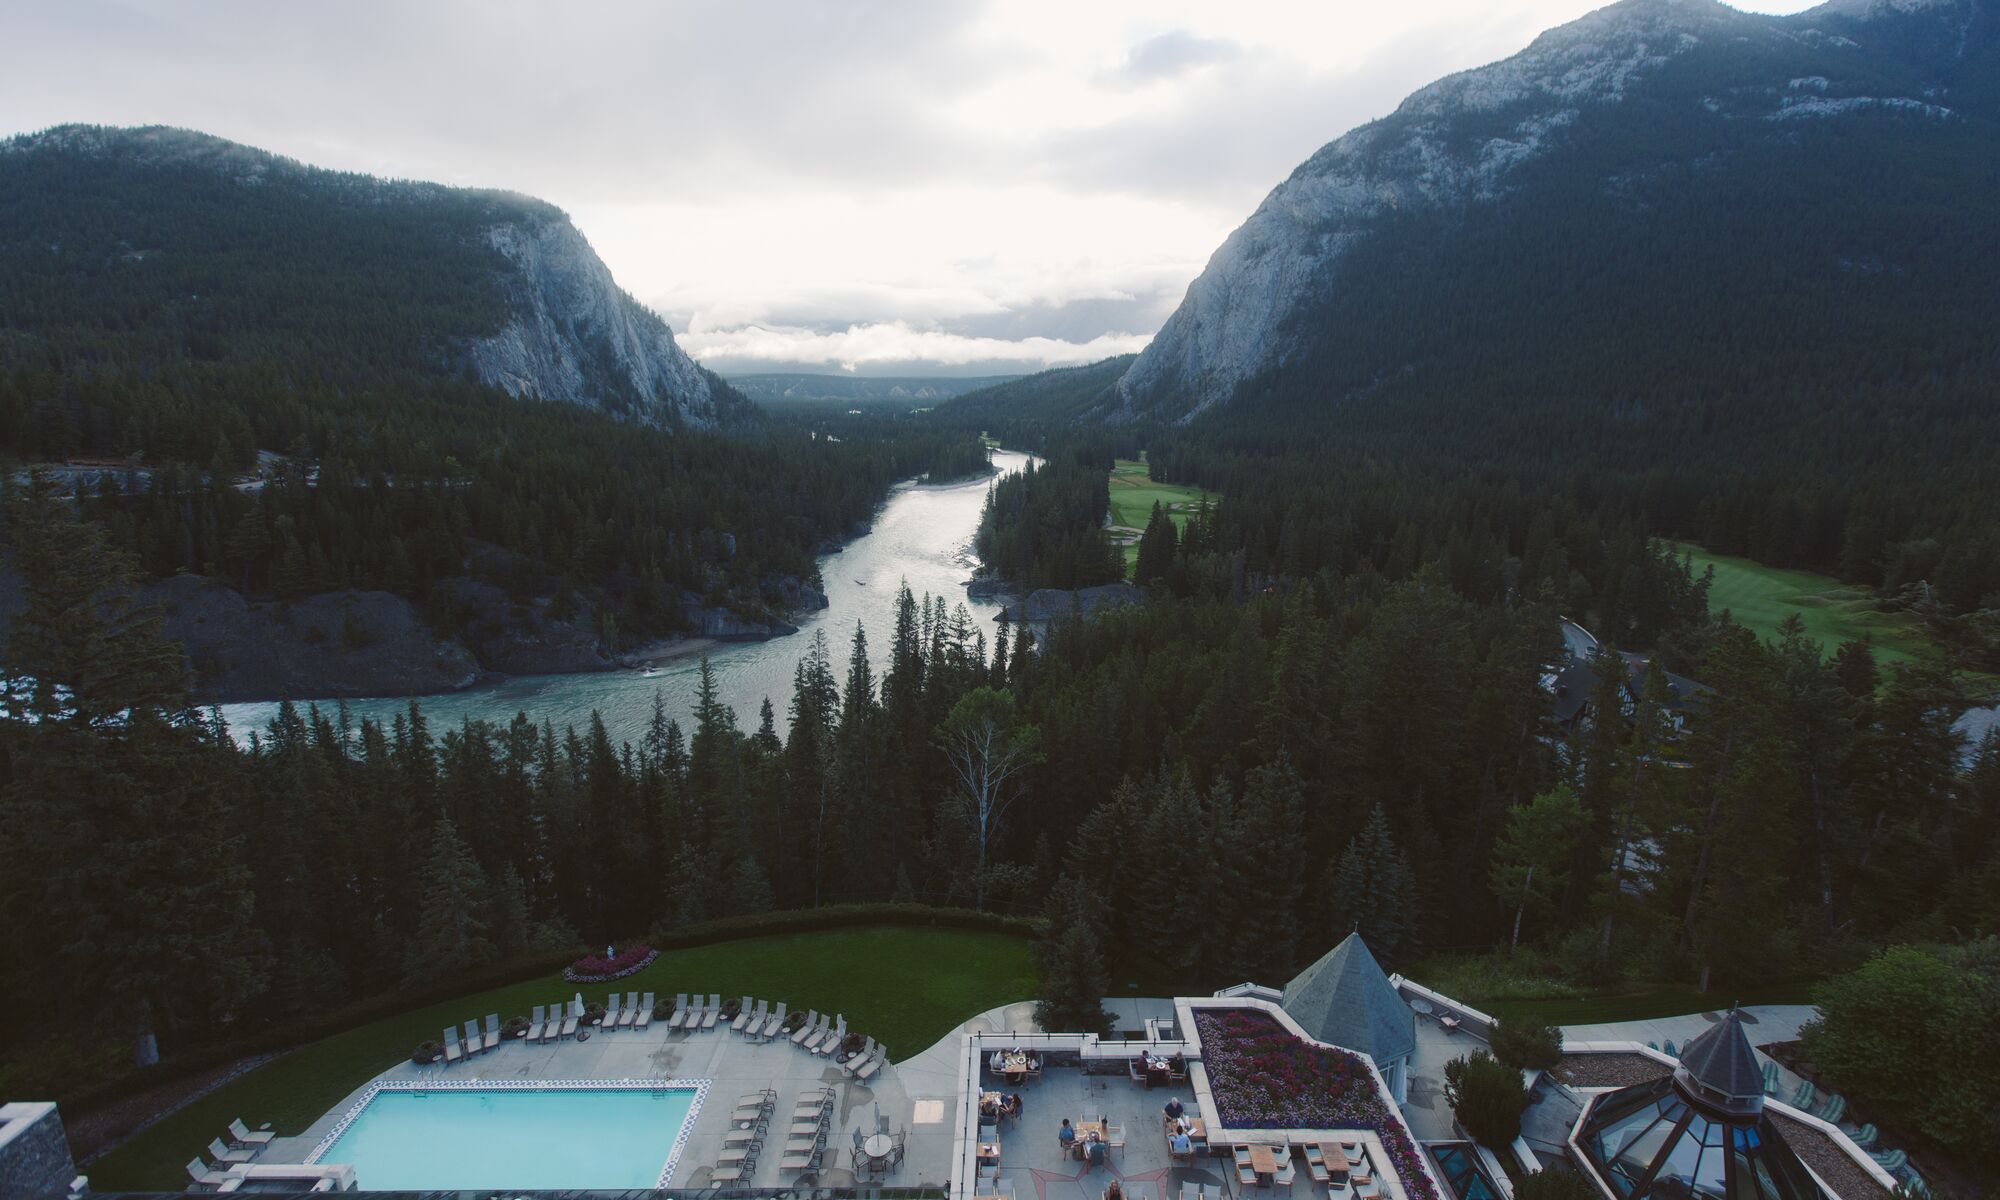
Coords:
pixel 1345 999
pixel 1723 1063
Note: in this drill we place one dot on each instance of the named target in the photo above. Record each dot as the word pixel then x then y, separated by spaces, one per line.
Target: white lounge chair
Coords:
pixel 451 1051
pixel 610 1021
pixel 866 1070
pixel 742 1016
pixel 473 1043
pixel 645 1012
pixel 535 1024
pixel 751 1024
pixel 223 1154
pixel 831 1042
pixel 491 1039
pixel 680 1016
pixel 806 1030
pixel 243 1135
pixel 574 1018
pixel 205 1175
pixel 854 1064
pixel 713 1011
pixel 774 1023
pixel 631 1011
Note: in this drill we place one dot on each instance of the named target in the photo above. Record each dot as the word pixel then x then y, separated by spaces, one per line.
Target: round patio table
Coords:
pixel 878 1145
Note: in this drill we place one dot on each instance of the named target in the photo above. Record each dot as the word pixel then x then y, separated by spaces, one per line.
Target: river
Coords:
pixel 923 534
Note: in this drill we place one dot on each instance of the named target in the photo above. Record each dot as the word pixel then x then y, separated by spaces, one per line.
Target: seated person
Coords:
pixel 1114 1192
pixel 1174 1109
pixel 1034 1064
pixel 1177 1064
pixel 1014 1106
pixel 1180 1143
pixel 1096 1152
pixel 998 1062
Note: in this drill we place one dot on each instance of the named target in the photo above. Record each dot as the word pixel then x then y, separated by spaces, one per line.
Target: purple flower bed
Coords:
pixel 595 968
pixel 1263 1077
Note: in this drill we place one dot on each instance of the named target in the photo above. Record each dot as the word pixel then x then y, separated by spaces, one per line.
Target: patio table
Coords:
pixel 878 1146
pixel 1263 1159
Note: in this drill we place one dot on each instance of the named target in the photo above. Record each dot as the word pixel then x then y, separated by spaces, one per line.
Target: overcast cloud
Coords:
pixel 890 187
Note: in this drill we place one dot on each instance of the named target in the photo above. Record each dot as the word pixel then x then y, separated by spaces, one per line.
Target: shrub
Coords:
pixel 1527 1047
pixel 427 1053
pixel 515 1027
pixel 595 968
pixel 730 1008
pixel 593 1013
pixel 1487 1096
pixel 1554 1183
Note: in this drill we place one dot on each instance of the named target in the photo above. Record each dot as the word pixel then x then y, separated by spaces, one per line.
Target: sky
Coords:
pixel 930 187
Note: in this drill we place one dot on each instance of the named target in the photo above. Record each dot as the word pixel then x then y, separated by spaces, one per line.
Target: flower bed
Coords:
pixel 595 968
pixel 1264 1077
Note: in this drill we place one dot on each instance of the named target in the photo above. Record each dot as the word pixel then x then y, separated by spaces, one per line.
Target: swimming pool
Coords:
pixel 552 1134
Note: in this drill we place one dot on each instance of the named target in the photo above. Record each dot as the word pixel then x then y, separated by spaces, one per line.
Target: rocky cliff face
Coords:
pixel 574 335
pixel 1470 139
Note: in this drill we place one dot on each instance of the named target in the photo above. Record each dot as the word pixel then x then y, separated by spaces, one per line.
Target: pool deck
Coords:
pixel 916 1095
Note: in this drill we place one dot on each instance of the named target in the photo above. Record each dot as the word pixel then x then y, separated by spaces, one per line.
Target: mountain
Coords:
pixel 787 388
pixel 1666 210
pixel 173 245
pixel 1058 395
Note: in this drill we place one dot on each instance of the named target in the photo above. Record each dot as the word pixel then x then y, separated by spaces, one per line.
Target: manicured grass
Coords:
pixel 1760 597
pixel 1639 1006
pixel 906 987
pixel 1132 498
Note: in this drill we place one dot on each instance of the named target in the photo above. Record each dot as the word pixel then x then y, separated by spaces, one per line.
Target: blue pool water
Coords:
pixel 519 1139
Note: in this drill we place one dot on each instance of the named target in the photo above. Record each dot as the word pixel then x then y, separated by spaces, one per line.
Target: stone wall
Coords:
pixel 34 1153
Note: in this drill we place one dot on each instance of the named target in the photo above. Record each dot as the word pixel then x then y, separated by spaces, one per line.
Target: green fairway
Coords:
pixel 1640 1006
pixel 906 987
pixel 1760 597
pixel 1132 498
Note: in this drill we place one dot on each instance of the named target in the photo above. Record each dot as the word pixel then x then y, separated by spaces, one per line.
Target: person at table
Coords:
pixel 998 1062
pixel 1112 1191
pixel 1180 1144
pixel 1177 1064
pixel 1014 1106
pixel 1066 1136
pixel 1174 1109
pixel 1095 1153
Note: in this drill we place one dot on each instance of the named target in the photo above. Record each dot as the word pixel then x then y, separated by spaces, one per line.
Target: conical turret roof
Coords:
pixel 1346 1000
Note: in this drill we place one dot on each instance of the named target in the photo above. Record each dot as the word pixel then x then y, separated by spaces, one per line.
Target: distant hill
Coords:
pixel 803 388
pixel 172 247
pixel 1059 395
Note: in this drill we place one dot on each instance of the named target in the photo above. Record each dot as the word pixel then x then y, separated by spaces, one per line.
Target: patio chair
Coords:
pixel 868 1069
pixel 1865 1136
pixel 631 1011
pixel 854 1064
pixel 742 1137
pixel 474 1044
pixel 1891 1161
pixel 610 1021
pixel 491 1040
pixel 535 1024
pixel 646 1006
pixel 830 1044
pixel 1286 1173
pixel 223 1154
pixel 574 1018
pixel 805 1031
pixel 1772 1079
pixel 736 1174
pixel 451 1051
pixel 743 1017
pixel 1670 1050
pixel 205 1175
pixel 775 1023
pixel 818 1034
pixel 680 1014
pixel 552 1029
pixel 1834 1109
pixel 243 1135
pixel 751 1023
pixel 714 1010
pixel 1802 1096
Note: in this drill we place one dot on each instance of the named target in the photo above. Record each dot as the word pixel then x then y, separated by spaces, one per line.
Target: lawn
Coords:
pixel 1132 499
pixel 1759 597
pixel 906 987
pixel 1639 1006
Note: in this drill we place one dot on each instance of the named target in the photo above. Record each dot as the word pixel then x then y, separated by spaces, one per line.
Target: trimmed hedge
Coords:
pixel 293 1032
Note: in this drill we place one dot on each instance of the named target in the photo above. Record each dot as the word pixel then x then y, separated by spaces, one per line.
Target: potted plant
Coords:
pixel 593 1013
pixel 427 1053
pixel 515 1028
pixel 793 1020
pixel 730 1008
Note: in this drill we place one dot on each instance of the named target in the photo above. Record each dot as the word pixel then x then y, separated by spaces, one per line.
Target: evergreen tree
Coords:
pixel 1070 963
pixel 1373 890
pixel 450 934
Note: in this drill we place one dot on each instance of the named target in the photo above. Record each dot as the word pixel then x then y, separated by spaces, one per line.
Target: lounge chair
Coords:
pixel 451 1051
pixel 552 1030
pixel 610 1021
pixel 853 1065
pixel 831 1042
pixel 1891 1161
pixel 774 1023
pixel 818 1034
pixel 680 1013
pixel 751 1024
pixel 243 1135
pixel 805 1031
pixel 1670 1049
pixel 573 1019
pixel 223 1154
pixel 474 1044
pixel 1772 1079
pixel 867 1069
pixel 742 1016
pixel 1865 1136
pixel 534 1033
pixel 491 1039
pixel 205 1175
pixel 1834 1109
pixel 630 1012
pixel 743 1136
pixel 713 1011
pixel 646 1006
pixel 736 1174
pixel 1802 1096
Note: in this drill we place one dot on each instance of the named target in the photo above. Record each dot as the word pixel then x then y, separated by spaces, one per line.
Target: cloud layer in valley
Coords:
pixel 892 187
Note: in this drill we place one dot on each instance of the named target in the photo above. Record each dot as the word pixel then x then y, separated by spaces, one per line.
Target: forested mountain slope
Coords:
pixel 181 251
